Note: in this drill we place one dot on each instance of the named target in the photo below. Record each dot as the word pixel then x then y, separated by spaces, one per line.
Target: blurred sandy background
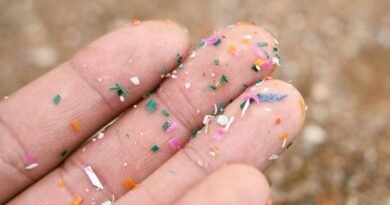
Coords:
pixel 336 51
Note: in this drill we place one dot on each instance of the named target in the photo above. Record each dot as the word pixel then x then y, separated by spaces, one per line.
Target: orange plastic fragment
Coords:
pixel 61 183
pixel 135 21
pixel 231 48
pixel 129 183
pixel 278 121
pixel 259 62
pixel 77 200
pixel 283 136
pixel 76 126
pixel 302 105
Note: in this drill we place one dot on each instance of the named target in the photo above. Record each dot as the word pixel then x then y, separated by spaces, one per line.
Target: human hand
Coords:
pixel 162 150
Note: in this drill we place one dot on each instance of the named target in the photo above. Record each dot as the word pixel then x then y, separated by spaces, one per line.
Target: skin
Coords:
pixel 168 176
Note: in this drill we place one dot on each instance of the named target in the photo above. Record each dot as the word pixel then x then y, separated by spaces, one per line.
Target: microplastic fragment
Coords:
pixel 163 70
pixel 56 99
pixel 259 52
pixel 275 61
pixel 223 80
pixel 247 36
pixel 229 123
pixel 219 134
pixel 222 120
pixel 61 183
pixel 220 108
pixel 165 112
pixel 172 127
pixel 100 135
pixel 213 40
pixel 207 119
pixel 135 80
pixel 108 202
pixel 151 105
pixel 237 53
pixel 217 42
pixel 135 21
pixel 273 157
pixel 278 121
pixel 231 48
pixel 128 183
pixel 256 68
pixel 283 136
pixel 245 108
pixel 193 54
pixel 269 97
pixel 302 106
pixel 30 159
pixel 179 58
pixel 262 44
pixel 119 90
pixel 259 62
pixel 194 133
pixel 252 96
pixel 77 200
pixel 76 126
pixel 267 65
pixel 166 125
pixel 187 85
pixel 63 153
pixel 213 87
pixel 155 148
pixel 175 143
pixel 216 62
pixel 92 177
pixel 31 166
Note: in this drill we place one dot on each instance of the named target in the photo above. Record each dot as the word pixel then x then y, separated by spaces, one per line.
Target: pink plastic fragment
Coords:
pixel 260 52
pixel 237 53
pixel 252 96
pixel 267 65
pixel 220 133
pixel 175 143
pixel 213 39
pixel 30 159
pixel 172 127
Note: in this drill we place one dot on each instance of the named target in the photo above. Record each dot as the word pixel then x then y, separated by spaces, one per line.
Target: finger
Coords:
pixel 126 151
pixel 230 185
pixel 37 130
pixel 257 138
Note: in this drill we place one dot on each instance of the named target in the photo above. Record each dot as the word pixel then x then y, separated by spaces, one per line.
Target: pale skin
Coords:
pixel 205 170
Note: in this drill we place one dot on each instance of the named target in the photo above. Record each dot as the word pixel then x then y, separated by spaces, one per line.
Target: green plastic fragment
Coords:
pixel 119 90
pixel 165 112
pixel 219 41
pixel 155 148
pixel 213 87
pixel 56 99
pixel 163 70
pixel 63 153
pixel 166 125
pixel 194 132
pixel 179 58
pixel 223 80
pixel 262 44
pixel 216 62
pixel 151 105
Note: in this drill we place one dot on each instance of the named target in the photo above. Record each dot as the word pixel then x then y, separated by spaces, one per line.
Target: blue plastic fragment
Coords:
pixel 269 97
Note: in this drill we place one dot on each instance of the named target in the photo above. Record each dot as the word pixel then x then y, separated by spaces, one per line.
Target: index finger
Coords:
pixel 44 121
